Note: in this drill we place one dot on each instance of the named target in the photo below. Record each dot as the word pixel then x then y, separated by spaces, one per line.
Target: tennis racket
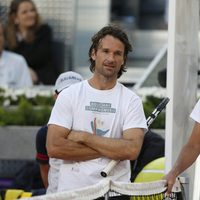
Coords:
pixel 150 120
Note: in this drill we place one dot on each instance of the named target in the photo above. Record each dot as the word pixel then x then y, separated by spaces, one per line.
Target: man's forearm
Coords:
pixel 81 152
pixel 113 148
pixel 186 158
pixel 60 146
pixel 70 150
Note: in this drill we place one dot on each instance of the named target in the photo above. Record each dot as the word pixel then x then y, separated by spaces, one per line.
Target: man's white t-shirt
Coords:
pixel 195 114
pixel 53 174
pixel 14 72
pixel 106 113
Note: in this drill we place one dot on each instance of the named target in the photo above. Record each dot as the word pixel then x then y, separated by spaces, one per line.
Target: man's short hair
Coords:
pixel 116 32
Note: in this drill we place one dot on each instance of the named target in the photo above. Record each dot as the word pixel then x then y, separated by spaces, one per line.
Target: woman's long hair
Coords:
pixel 12 27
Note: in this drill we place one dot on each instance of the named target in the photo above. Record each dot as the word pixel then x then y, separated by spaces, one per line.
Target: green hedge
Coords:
pixel 36 111
pixel 25 114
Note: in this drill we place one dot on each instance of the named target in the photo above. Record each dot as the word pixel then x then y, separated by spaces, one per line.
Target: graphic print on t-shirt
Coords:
pixel 97 131
pixel 97 124
pixel 100 107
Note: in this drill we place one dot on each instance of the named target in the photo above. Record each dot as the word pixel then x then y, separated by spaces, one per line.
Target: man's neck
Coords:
pixel 102 83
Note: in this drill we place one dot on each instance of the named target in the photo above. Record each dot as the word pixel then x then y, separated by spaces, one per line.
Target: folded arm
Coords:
pixel 59 146
pixel 126 148
pixel 80 145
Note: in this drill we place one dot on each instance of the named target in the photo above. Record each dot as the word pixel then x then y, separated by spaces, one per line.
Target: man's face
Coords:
pixel 1 39
pixel 109 57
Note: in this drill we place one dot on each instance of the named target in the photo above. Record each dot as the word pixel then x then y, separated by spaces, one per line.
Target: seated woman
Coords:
pixel 26 35
pixel 14 71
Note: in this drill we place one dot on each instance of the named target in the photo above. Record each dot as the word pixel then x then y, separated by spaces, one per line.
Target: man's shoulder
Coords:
pixel 13 56
pixel 128 91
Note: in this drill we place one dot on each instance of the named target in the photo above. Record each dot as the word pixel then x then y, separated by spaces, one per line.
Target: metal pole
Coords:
pixel 182 67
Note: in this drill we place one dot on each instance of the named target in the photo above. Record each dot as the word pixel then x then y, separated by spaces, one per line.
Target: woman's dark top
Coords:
pixel 39 54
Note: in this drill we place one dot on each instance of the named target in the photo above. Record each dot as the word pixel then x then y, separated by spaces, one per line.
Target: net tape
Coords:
pixel 140 191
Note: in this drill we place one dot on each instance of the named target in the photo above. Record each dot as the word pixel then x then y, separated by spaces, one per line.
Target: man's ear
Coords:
pixel 93 54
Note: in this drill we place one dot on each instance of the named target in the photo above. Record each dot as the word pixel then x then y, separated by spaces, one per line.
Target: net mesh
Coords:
pixel 108 188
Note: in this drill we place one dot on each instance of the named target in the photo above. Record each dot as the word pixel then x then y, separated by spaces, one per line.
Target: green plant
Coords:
pixel 25 114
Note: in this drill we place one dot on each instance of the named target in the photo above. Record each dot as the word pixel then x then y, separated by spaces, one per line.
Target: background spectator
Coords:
pixel 63 81
pixel 14 71
pixel 27 36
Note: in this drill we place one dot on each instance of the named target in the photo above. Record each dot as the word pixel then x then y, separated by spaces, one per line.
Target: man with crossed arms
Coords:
pixel 97 120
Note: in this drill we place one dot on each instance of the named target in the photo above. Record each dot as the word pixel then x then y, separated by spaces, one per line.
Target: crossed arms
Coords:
pixel 65 144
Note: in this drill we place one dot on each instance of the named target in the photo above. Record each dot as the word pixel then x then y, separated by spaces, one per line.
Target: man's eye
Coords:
pixel 118 53
pixel 105 51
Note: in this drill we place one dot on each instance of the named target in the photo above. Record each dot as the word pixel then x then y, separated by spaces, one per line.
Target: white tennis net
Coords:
pixel 136 191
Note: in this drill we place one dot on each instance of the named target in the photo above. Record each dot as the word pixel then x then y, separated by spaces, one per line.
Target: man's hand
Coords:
pixel 61 147
pixel 170 178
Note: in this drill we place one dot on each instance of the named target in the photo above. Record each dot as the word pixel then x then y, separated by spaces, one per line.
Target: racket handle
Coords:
pixel 109 168
pixel 150 119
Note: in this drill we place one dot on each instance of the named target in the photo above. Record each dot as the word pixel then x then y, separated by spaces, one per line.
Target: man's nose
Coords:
pixel 110 57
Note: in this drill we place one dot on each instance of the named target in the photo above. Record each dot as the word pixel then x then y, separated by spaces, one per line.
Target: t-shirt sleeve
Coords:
pixel 195 114
pixel 61 114
pixel 25 76
pixel 135 117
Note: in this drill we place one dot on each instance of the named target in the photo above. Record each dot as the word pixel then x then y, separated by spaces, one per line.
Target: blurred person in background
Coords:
pixel 14 71
pixel 28 36
pixel 63 81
